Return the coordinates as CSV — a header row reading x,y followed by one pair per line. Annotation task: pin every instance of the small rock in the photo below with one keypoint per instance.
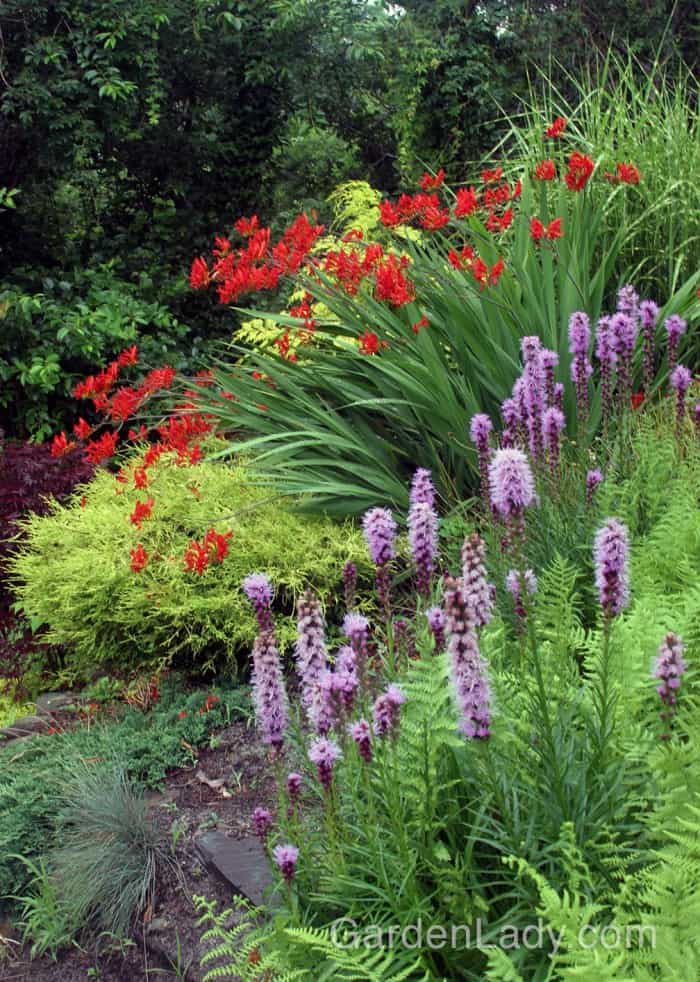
x,y
50,702
158,924
24,726
240,862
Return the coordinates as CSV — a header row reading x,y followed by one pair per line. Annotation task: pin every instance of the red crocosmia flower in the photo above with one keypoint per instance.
x,y
546,170
636,400
369,343
182,714
140,478
423,322
98,450
129,356
467,202
554,229
496,270
196,558
124,403
83,501
222,246
195,454
354,235
626,174
435,218
580,169
389,214
82,429
139,434
557,128
517,190
391,284
142,510
488,176
139,558
428,182
199,274
61,445
537,230
247,226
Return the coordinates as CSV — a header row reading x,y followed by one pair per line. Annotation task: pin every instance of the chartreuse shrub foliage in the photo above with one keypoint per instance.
x,y
74,572
579,807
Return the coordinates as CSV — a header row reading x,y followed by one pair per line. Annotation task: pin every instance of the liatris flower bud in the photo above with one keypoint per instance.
x,y
324,709
553,423
258,590
623,333
310,648
286,860
262,822
269,695
349,584
362,735
675,329
467,667
649,313
549,360
479,430
581,368
379,529
669,668
436,623
559,396
611,557
423,538
514,587
534,392
511,483
324,753
422,489
478,591
608,359
628,301
385,711
294,782
593,479
345,680
680,380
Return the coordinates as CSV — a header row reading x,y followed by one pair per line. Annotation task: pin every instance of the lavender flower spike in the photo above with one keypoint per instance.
x,y
479,592
324,754
269,695
669,668
514,587
581,368
468,670
362,735
593,479
479,430
549,360
385,711
262,822
422,487
680,380
259,591
553,423
511,482
649,314
379,529
286,860
436,623
310,648
675,329
611,557
608,359
628,301
423,538
623,334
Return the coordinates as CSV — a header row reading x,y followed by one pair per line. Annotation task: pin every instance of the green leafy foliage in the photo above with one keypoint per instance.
x,y
164,612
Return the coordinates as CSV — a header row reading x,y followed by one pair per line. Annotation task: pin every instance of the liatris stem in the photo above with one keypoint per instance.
x,y
349,585
649,313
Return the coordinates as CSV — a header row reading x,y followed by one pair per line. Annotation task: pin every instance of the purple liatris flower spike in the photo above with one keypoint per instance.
x,y
294,782
605,354
379,530
423,538
349,584
324,753
534,390
675,329
512,422
514,587
479,431
478,591
345,678
258,590
385,711
325,708
611,557
436,623
581,368
269,694
511,483
623,335
669,668
262,822
559,396
680,380
553,423
649,314
286,858
422,489
628,301
549,360
362,735
310,648
468,670
593,479
356,629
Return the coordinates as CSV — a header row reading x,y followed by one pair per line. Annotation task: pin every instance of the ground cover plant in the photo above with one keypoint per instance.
x,y
509,739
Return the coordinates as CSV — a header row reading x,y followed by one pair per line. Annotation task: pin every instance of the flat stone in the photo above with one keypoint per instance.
x,y
24,726
50,702
242,863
